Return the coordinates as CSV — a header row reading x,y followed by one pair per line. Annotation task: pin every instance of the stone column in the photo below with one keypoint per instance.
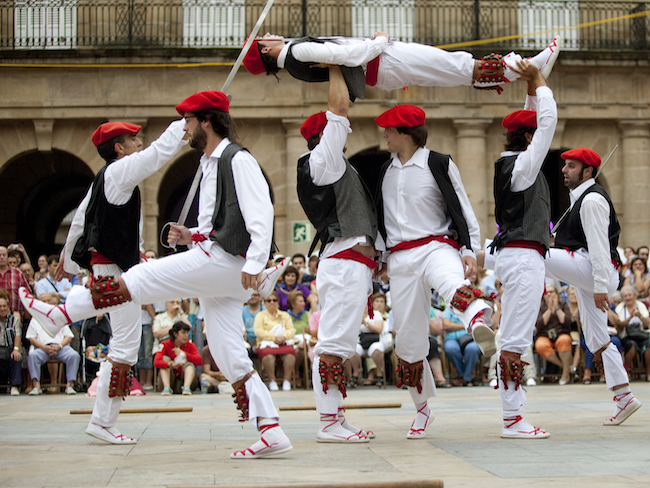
x,y
470,157
296,146
635,218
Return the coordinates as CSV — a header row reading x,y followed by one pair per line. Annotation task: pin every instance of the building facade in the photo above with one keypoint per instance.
x,y
67,66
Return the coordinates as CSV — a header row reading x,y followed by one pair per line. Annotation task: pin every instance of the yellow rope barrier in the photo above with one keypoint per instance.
x,y
445,46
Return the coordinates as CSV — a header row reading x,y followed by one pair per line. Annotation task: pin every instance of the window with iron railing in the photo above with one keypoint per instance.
x,y
45,24
392,16
214,23
548,18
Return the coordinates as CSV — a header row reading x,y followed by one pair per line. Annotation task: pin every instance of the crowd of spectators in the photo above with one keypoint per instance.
x,y
283,329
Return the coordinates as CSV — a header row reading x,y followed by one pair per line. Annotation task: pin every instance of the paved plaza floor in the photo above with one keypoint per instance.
x,y
43,445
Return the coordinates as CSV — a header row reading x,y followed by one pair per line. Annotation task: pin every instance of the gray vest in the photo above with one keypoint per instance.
x,y
524,215
342,209
229,228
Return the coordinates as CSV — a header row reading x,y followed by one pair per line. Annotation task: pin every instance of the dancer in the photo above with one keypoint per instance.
x,y
432,233
341,208
522,212
105,237
227,255
389,65
584,255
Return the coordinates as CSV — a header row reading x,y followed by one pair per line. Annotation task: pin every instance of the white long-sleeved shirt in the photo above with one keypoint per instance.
x,y
120,179
254,200
529,162
414,206
400,63
594,214
327,166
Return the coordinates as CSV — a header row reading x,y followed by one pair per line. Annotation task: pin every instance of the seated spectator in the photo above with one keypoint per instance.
x,y
634,328
10,340
44,348
48,285
250,311
274,330
434,359
164,321
299,262
314,321
213,380
28,272
181,356
97,332
145,353
310,274
300,319
43,271
459,347
290,283
553,335
371,345
639,277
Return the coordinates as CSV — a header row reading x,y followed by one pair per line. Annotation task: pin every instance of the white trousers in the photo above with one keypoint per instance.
x,y
216,280
413,273
521,271
343,290
404,64
126,328
575,269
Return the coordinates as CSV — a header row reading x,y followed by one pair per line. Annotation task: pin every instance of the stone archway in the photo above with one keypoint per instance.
x,y
39,190
368,162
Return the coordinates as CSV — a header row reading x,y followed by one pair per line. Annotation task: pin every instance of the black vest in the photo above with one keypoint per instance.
x,y
571,234
439,166
523,215
342,209
229,228
355,78
112,230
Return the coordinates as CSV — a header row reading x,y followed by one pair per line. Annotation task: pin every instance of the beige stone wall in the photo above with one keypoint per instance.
x,y
599,107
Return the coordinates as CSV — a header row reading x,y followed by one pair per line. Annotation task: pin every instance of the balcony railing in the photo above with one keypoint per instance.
x,y
199,24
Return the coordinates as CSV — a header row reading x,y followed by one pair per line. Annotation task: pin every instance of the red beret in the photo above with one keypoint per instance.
x,y
204,100
520,118
313,125
107,131
584,155
401,116
253,61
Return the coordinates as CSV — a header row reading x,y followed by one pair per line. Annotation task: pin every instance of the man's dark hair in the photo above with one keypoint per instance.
x,y
419,134
299,255
269,62
52,258
313,142
641,247
107,149
516,140
221,123
585,166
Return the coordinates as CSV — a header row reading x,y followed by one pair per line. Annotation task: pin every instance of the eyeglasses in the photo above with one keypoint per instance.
x,y
271,300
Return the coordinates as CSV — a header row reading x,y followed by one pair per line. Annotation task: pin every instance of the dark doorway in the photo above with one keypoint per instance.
x,y
39,190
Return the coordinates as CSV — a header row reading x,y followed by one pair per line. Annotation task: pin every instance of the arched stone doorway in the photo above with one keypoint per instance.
x,y
39,190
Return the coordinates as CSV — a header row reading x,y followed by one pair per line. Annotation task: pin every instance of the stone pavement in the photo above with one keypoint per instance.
x,y
43,445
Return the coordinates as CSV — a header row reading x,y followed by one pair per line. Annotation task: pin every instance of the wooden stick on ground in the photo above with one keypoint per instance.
x,y
138,410
434,483
347,407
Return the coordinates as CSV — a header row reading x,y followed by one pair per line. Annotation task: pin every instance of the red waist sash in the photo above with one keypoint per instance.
x,y
402,246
